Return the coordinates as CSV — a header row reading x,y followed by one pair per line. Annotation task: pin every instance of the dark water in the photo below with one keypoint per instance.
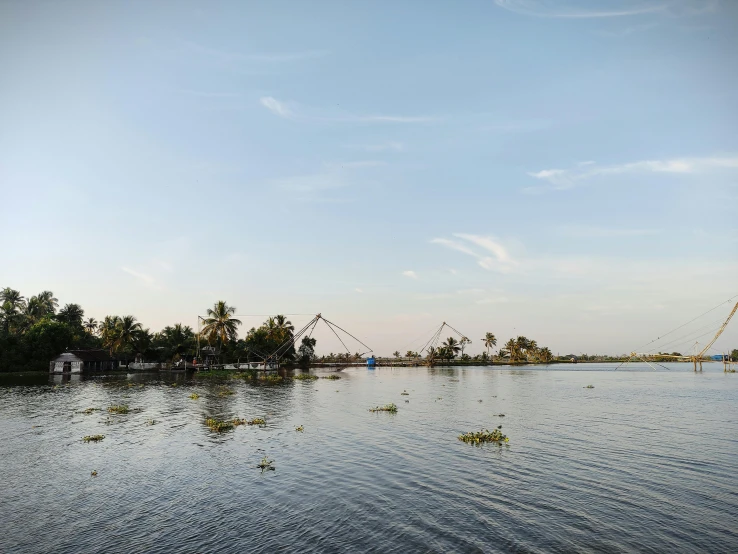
x,y
644,462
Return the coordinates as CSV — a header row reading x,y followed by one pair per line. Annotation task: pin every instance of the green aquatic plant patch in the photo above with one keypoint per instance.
x,y
305,377
484,436
118,409
332,377
265,464
218,425
386,408
194,396
93,438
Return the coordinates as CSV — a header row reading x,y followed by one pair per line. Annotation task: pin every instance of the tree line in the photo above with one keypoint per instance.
x,y
35,330
517,350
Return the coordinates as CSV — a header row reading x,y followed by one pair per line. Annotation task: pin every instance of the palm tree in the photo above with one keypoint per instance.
x,y
396,353
177,340
285,326
432,355
48,302
90,325
512,349
531,349
452,347
109,331
545,354
489,341
220,326
127,332
12,306
463,343
71,314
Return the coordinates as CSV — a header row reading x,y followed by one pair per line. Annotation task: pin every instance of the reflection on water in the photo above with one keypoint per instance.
x,y
644,461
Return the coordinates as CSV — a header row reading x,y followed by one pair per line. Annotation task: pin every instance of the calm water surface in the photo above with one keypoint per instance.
x,y
644,462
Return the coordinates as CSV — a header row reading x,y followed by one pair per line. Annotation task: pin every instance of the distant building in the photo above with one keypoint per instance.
x,y
77,361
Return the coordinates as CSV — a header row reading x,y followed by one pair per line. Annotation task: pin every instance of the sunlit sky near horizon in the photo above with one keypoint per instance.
x,y
567,170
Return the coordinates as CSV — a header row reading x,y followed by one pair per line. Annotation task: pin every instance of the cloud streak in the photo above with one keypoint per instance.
x,y
282,109
562,179
276,107
480,247
588,9
410,274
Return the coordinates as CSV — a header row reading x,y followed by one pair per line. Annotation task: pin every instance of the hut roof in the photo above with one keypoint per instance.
x,y
92,355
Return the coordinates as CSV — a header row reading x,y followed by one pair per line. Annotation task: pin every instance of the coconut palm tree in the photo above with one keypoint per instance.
x,y
285,326
71,314
452,347
90,325
127,332
220,326
545,354
512,349
396,353
464,341
48,302
489,341
109,331
12,306
531,349
177,340
432,355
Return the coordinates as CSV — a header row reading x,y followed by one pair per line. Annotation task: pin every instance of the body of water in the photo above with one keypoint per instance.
x,y
643,462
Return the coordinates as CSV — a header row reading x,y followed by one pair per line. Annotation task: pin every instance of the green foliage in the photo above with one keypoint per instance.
x,y
218,426
118,409
386,408
484,436
93,438
331,377
305,377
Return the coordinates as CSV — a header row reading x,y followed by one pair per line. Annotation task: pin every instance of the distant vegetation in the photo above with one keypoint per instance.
x,y
34,330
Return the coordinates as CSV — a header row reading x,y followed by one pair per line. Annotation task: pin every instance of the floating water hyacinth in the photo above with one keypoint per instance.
x,y
93,473
299,428
271,379
119,409
484,436
194,396
93,438
589,387
89,411
332,377
225,392
386,408
255,421
265,464
218,425
404,393
305,377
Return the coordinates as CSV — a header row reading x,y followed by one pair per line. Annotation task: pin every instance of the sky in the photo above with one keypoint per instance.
x,y
566,171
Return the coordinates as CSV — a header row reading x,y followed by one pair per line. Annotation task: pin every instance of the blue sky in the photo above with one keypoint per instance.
x,y
563,170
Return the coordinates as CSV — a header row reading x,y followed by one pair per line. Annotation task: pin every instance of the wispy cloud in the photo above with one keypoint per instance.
x,y
281,109
275,106
587,9
143,278
561,179
480,247
360,291
586,231
311,183
411,274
